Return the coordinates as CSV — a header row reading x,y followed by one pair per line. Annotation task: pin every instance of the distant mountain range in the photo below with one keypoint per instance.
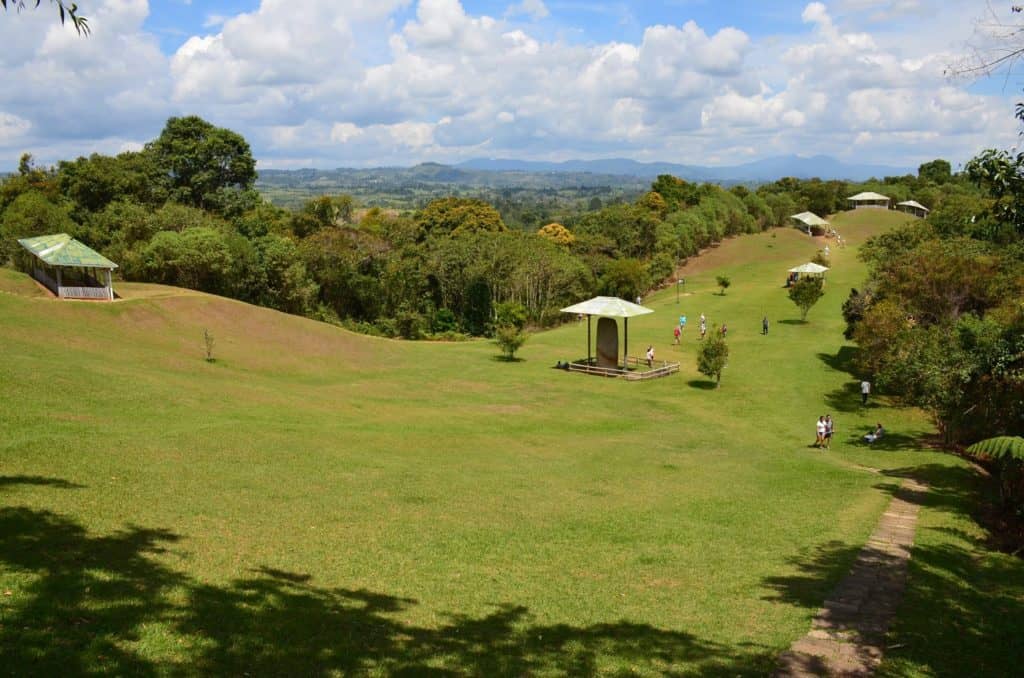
x,y
768,169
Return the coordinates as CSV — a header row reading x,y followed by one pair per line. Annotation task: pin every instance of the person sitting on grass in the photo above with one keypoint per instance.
x,y
874,435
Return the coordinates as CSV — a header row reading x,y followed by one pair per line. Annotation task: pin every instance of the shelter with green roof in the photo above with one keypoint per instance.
x,y
69,268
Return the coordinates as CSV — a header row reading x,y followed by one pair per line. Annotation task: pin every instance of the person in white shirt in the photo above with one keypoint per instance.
x,y
865,389
650,356
820,439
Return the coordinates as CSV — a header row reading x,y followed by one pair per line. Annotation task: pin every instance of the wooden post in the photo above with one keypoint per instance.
x,y
625,344
588,340
110,288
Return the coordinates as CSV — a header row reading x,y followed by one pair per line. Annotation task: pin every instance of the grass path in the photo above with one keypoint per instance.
x,y
321,502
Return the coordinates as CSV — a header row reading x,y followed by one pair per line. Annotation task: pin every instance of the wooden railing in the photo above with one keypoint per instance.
x,y
658,370
84,293
47,282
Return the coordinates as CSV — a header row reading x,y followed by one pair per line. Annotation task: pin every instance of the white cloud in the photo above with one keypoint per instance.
x,y
535,9
346,82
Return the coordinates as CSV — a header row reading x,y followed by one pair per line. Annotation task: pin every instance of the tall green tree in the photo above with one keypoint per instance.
x,y
207,167
805,293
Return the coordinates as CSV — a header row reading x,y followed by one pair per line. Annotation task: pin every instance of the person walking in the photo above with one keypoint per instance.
x,y
865,391
764,325
703,325
725,330
676,331
819,438
829,428
650,356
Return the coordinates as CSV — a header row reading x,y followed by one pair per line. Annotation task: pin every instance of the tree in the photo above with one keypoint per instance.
x,y
457,216
208,167
998,44
1001,175
624,278
558,234
509,339
723,282
805,293
937,171
29,215
713,356
64,10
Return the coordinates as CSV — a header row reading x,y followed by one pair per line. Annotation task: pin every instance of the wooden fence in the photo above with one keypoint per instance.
x,y
84,293
661,369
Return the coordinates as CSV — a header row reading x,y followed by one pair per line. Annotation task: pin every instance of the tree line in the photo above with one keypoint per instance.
x,y
183,211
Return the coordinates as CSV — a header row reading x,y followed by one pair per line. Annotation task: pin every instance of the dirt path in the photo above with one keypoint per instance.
x,y
848,634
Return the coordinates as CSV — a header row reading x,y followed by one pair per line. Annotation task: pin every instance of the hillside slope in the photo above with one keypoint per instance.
x,y
320,502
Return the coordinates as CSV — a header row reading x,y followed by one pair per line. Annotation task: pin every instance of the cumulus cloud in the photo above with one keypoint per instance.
x,y
346,82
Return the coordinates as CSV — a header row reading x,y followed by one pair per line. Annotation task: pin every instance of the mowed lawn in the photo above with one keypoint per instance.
x,y
318,502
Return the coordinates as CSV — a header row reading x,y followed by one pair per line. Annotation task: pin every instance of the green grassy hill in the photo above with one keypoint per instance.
x,y
320,502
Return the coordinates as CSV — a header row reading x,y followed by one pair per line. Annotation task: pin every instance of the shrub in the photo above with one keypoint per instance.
x,y
723,282
509,339
713,356
1005,457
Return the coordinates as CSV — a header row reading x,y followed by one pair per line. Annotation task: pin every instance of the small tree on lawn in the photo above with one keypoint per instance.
x,y
805,293
509,320
713,356
723,282
509,339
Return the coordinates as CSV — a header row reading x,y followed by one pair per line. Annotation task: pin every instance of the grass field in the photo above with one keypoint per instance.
x,y
319,502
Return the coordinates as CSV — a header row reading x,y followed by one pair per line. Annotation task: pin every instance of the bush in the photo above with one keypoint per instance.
x,y
1005,457
713,356
509,339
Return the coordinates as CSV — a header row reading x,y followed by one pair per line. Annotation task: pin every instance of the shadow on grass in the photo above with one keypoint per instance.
x,y
842,360
6,481
506,359
702,384
963,608
792,321
87,604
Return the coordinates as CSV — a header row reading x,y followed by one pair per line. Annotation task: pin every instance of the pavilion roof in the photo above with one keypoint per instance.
x,y
61,249
868,195
608,307
810,219
914,204
810,267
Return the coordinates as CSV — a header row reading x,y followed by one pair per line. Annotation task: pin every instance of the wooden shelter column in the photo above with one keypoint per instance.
x,y
588,339
59,282
625,344
110,288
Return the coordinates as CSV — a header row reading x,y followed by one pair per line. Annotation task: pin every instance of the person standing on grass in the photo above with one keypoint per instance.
x,y
828,431
725,330
865,390
764,326
819,438
650,356
676,331
703,325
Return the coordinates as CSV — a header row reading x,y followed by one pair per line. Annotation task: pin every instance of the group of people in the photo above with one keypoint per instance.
x,y
825,429
677,331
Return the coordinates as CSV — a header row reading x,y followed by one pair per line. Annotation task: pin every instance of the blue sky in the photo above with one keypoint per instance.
x,y
328,83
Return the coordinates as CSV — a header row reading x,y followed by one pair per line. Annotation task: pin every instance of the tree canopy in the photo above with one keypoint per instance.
x,y
66,11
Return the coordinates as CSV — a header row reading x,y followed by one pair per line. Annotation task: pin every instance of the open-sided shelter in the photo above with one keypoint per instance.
x,y
913,207
811,222
869,199
809,268
606,308
68,268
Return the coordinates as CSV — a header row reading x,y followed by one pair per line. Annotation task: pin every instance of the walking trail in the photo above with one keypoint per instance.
x,y
847,635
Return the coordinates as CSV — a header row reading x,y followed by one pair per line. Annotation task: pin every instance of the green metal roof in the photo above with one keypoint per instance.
x,y
63,250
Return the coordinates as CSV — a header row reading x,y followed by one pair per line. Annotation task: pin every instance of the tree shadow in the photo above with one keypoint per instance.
x,y
842,361
702,384
59,483
792,321
88,604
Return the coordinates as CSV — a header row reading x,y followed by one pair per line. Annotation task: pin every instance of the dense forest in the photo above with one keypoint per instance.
x,y
939,321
